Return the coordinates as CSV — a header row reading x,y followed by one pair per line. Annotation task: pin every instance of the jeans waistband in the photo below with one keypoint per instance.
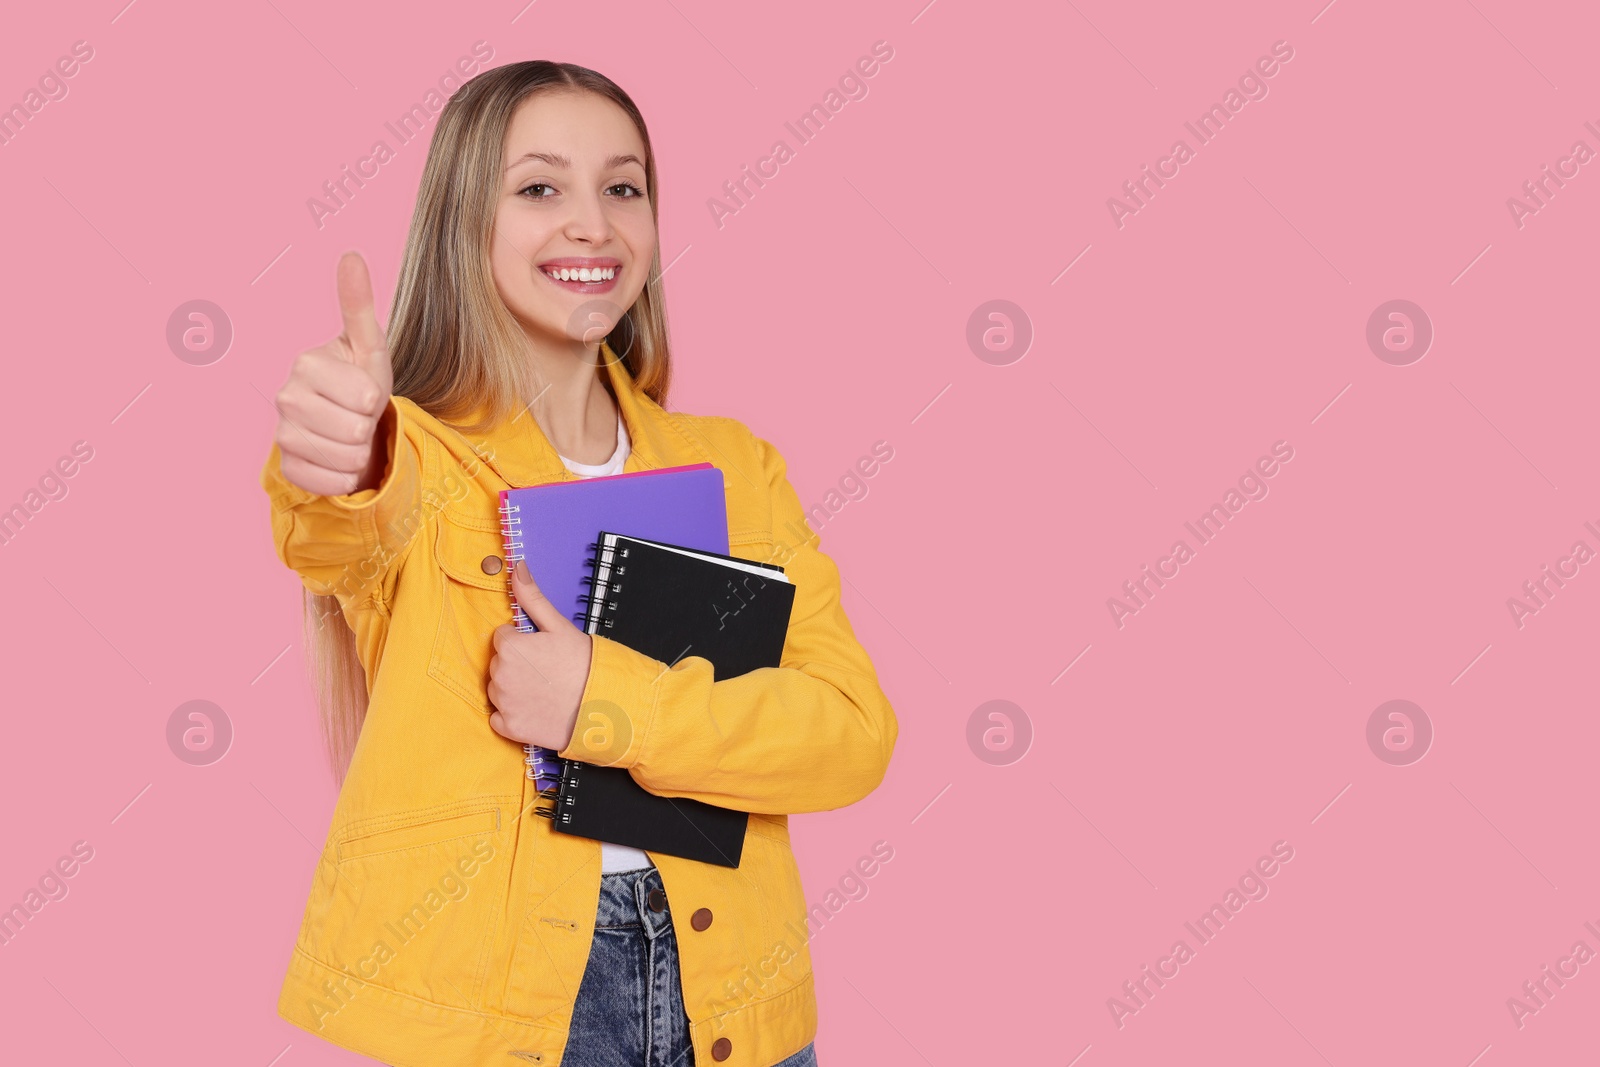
x,y
625,899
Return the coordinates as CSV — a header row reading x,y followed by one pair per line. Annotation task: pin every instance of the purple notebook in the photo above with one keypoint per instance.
x,y
554,527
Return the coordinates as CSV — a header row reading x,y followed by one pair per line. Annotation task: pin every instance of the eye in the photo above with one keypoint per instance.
x,y
633,190
535,185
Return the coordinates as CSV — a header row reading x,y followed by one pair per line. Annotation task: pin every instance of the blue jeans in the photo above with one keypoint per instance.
x,y
629,1011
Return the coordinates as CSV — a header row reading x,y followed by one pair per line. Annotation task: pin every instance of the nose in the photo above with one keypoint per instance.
x,y
588,222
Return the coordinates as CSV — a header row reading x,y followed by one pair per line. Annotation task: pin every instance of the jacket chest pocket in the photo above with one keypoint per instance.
x,y
475,597
759,546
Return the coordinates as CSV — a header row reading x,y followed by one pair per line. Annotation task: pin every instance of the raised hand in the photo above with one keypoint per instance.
x,y
331,410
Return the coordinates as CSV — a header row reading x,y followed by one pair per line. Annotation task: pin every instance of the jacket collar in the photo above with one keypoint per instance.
x,y
519,452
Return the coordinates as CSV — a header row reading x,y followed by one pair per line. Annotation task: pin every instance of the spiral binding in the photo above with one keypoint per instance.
x,y
510,530
544,766
562,797
547,811
597,612
600,557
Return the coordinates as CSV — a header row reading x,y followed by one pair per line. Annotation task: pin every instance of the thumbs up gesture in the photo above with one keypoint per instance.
x,y
536,680
330,409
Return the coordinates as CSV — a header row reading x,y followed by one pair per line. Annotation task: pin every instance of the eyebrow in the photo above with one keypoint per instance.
x,y
555,159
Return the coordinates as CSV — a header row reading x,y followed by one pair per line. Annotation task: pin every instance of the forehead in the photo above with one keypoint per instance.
x,y
584,127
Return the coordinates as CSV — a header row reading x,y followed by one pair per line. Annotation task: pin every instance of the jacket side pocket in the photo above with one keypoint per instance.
x,y
426,830
406,901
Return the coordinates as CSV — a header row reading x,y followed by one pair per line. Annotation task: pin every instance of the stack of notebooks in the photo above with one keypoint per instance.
x,y
643,557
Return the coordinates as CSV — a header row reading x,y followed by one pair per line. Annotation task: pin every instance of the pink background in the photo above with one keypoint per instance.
x,y
828,314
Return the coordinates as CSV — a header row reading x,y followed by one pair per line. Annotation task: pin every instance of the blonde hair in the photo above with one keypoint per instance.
x,y
456,348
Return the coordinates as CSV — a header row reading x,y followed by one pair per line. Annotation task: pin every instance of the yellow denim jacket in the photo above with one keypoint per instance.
x,y
448,925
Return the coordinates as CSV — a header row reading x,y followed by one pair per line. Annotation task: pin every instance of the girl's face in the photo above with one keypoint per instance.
x,y
573,234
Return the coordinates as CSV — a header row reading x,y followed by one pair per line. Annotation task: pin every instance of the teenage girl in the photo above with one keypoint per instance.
x,y
447,924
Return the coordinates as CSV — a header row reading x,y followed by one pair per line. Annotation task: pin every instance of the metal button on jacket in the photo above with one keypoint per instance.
x,y
700,919
721,1049
492,565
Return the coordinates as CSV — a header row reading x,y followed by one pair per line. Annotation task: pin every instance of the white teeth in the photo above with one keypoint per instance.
x,y
582,274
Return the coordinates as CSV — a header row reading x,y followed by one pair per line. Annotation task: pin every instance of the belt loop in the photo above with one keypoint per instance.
x,y
652,921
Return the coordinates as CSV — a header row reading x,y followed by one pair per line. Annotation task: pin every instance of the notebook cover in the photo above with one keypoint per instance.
x,y
558,523
553,526
667,605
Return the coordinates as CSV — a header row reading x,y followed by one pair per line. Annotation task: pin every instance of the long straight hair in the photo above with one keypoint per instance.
x,y
456,348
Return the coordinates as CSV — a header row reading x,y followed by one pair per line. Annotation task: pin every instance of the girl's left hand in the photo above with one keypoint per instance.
x,y
536,680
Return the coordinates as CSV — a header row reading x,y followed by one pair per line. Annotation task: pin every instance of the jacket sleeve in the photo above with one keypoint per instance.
x,y
347,546
812,734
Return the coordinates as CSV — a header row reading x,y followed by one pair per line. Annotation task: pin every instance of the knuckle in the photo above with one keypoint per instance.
x,y
355,430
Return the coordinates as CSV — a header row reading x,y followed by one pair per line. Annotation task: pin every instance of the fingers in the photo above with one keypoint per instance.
x,y
342,455
329,418
361,329
313,477
326,374
514,659
326,414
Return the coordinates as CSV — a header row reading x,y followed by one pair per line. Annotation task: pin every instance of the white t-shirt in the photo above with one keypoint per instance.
x,y
612,857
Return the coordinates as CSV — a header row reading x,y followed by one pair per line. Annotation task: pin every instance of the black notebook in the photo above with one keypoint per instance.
x,y
669,602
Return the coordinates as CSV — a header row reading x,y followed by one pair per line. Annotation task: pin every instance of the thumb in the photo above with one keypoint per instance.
x,y
544,614
365,339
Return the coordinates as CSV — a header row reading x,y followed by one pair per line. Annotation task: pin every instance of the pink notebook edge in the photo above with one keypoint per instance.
x,y
504,493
